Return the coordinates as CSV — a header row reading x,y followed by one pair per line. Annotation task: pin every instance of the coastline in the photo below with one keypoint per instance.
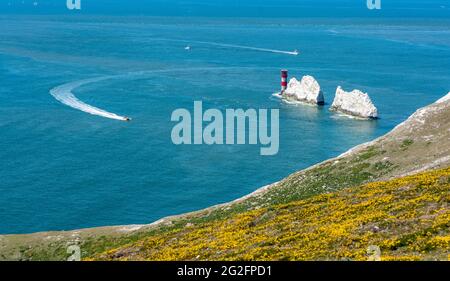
x,y
257,192
412,157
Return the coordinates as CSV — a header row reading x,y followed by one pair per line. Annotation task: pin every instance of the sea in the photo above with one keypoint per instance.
x,y
67,161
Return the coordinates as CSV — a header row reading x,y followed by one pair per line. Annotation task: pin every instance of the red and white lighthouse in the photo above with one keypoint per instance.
x,y
284,77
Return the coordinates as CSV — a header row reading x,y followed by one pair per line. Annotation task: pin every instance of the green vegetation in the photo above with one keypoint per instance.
x,y
406,143
407,218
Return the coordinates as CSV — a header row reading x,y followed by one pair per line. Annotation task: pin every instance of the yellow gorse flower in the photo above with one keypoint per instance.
x,y
407,218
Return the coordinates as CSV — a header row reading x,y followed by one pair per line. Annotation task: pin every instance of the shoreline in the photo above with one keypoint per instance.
x,y
169,220
419,143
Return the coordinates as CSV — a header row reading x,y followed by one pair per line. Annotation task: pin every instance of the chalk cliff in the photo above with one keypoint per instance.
x,y
354,103
307,90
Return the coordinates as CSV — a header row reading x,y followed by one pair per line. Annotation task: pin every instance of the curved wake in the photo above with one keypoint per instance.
x,y
63,94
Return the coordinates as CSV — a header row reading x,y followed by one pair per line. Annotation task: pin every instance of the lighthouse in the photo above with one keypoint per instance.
x,y
284,77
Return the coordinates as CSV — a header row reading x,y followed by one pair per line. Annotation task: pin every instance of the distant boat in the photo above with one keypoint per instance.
x,y
295,52
187,48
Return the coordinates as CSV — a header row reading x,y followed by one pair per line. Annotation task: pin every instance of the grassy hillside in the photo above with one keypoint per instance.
x,y
407,218
422,143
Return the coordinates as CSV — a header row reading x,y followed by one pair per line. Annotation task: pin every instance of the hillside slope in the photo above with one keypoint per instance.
x,y
406,218
421,143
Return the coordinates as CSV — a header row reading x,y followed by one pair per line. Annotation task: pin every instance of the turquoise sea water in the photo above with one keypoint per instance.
x,y
61,168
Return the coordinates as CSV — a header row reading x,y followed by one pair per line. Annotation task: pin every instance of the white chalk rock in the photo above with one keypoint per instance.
x,y
445,98
354,103
308,90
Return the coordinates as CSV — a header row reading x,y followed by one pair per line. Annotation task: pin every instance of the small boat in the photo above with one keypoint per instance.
x,y
127,119
295,52
187,48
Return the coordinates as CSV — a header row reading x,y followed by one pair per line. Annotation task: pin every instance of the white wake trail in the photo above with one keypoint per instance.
x,y
63,93
294,53
233,46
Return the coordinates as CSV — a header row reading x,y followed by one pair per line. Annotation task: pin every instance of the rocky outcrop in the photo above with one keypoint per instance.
x,y
307,90
354,103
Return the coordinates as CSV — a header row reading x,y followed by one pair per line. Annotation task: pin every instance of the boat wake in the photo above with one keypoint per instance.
x,y
232,46
63,94
293,53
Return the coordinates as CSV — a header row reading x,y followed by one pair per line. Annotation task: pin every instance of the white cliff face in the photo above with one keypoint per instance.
x,y
445,98
355,103
308,90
